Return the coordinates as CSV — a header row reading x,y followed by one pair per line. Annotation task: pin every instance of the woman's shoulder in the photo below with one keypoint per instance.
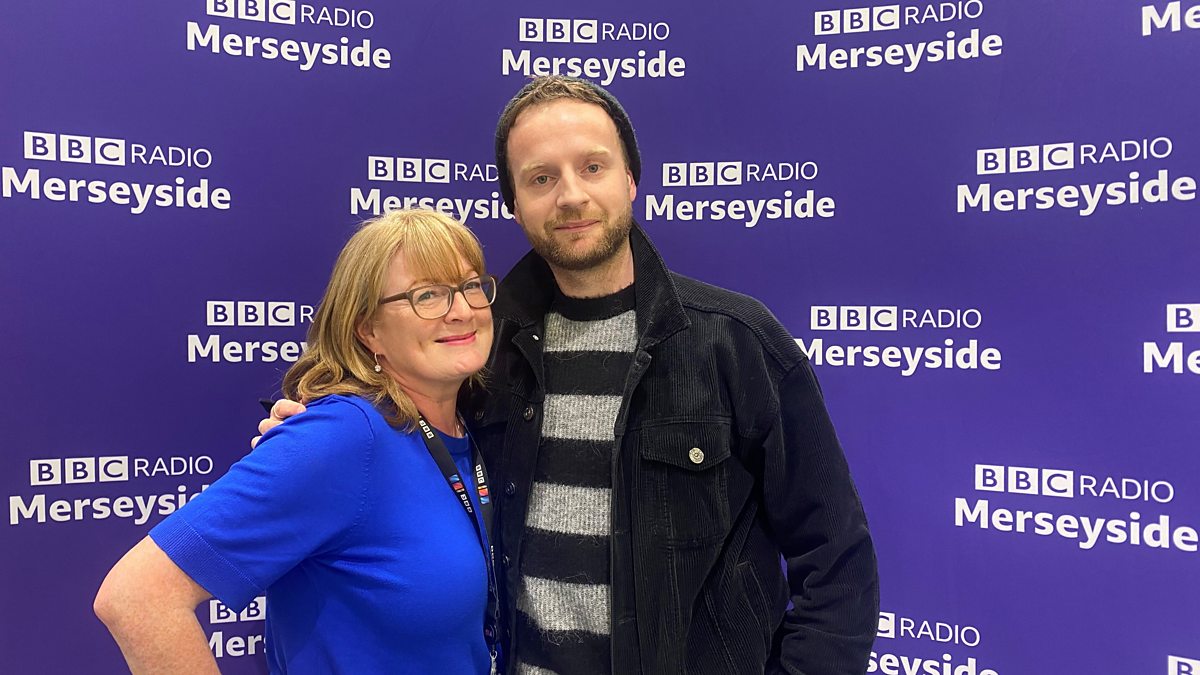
x,y
331,422
343,405
349,410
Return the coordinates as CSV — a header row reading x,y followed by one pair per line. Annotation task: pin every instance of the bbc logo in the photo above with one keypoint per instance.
x,y
77,149
241,313
1177,665
408,169
1025,480
1025,159
274,11
887,625
683,174
859,20
219,612
854,317
558,30
1183,318
78,470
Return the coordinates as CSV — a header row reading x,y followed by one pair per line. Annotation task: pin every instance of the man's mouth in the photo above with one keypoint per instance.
x,y
575,225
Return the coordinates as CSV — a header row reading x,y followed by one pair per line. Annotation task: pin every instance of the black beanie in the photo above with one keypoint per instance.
x,y
610,105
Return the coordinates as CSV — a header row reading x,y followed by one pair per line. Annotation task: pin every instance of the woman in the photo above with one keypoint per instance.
x,y
372,553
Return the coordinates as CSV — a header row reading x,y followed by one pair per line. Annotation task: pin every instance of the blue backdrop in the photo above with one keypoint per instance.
x,y
977,217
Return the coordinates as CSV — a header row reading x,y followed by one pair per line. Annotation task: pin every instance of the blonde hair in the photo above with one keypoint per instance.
x,y
336,362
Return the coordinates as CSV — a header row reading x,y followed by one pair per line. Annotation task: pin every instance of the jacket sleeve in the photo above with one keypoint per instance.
x,y
814,511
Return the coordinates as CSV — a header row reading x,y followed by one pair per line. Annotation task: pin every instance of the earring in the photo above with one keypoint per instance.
x,y
378,368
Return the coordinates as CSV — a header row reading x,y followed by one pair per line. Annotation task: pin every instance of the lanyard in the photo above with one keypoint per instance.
x,y
437,449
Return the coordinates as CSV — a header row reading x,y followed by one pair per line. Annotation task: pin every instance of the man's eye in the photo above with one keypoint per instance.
x,y
541,180
593,168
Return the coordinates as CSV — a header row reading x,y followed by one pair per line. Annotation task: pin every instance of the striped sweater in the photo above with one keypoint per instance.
x,y
564,607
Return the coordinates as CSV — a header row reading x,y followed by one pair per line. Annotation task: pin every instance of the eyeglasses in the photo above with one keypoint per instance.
x,y
434,301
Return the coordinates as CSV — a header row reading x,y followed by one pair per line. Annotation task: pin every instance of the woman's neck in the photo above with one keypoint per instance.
x,y
440,411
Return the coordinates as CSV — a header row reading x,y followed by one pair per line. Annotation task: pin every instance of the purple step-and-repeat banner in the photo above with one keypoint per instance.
x,y
977,217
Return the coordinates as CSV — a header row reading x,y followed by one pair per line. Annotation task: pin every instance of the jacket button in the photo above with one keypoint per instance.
x,y
510,489
696,455
528,415
535,337
478,415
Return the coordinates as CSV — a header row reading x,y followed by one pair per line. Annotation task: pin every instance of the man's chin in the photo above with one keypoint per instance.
x,y
576,256
586,249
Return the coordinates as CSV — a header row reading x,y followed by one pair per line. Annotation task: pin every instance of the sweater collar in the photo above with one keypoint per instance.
x,y
526,292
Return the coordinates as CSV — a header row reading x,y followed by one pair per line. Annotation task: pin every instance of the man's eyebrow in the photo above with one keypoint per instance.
x,y
530,167
598,151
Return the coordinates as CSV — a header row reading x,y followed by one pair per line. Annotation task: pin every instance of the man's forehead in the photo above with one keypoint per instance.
x,y
552,109
569,125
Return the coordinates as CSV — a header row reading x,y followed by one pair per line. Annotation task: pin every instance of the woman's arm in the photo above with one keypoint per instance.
x,y
149,606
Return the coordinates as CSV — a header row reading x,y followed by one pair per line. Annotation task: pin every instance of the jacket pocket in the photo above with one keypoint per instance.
x,y
683,480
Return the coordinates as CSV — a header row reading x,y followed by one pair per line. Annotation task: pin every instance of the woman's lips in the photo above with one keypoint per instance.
x,y
464,339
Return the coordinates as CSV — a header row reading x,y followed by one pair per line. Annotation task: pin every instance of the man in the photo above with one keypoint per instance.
x,y
658,446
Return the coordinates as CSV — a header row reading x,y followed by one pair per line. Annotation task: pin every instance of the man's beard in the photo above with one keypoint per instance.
x,y
615,232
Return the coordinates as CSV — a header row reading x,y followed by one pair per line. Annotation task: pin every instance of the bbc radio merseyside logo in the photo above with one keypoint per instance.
x,y
1175,357
914,635
1179,665
248,314
873,34
789,180
1171,17
65,476
404,174
1070,488
228,628
874,321
1040,177
258,16
68,155
579,38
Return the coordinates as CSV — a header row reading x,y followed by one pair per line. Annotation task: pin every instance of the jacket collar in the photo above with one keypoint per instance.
x,y
526,292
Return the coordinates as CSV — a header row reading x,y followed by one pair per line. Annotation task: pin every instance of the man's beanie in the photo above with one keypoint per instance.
x,y
610,105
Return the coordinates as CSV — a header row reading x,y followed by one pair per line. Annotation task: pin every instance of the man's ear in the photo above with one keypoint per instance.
x,y
516,211
632,185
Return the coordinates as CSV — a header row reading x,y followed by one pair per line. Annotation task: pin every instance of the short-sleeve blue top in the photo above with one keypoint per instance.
x,y
368,561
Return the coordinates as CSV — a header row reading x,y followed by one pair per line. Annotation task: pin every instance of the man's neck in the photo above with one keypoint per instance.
x,y
595,282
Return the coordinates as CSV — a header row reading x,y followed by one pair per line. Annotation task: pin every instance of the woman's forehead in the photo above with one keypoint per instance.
x,y
415,268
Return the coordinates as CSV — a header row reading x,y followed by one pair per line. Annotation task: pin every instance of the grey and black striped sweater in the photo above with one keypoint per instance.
x,y
564,607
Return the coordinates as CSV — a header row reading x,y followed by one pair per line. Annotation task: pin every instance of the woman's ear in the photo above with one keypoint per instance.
x,y
365,331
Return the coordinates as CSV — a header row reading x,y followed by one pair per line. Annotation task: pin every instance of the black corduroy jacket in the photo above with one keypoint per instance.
x,y
726,468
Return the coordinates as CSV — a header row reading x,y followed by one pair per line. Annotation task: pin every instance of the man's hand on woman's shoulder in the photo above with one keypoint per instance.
x,y
282,410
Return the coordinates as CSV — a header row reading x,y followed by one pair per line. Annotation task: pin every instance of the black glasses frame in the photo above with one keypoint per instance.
x,y
483,280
